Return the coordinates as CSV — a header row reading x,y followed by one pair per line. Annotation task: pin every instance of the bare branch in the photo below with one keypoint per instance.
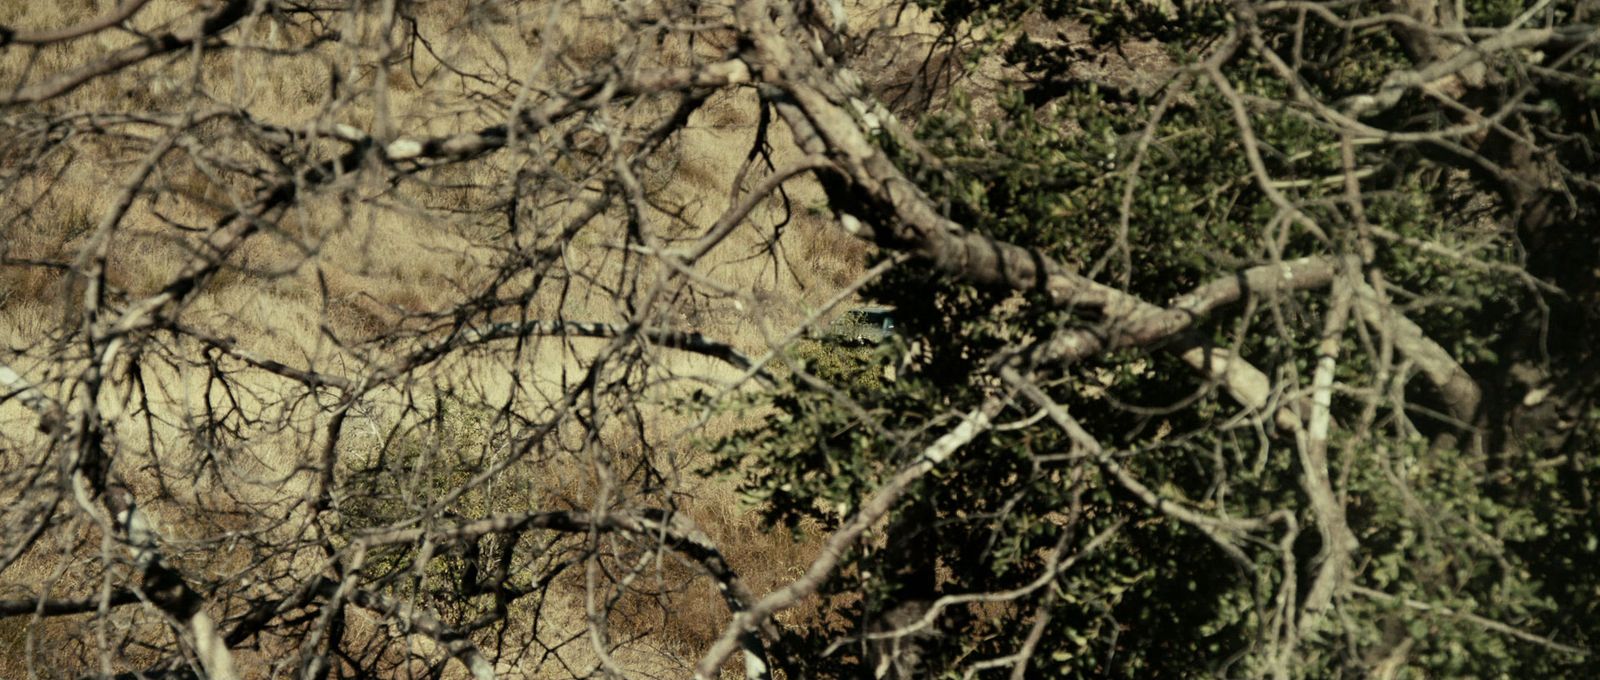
x,y
972,424
123,12
1489,624
217,21
424,622
687,341
1459,391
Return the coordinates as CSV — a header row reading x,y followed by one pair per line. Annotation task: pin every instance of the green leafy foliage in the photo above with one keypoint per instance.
x,y
1451,534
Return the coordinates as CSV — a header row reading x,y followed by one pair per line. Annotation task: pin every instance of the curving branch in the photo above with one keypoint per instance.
x,y
688,341
212,24
1225,532
123,12
1170,328
58,607
1455,386
1486,623
1333,559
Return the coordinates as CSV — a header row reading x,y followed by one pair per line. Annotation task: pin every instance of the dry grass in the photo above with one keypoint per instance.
x,y
334,272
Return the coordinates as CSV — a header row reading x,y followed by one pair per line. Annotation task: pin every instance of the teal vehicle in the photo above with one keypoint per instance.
x,y
863,325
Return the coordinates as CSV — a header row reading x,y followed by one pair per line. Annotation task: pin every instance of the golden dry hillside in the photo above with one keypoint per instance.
x,y
346,269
